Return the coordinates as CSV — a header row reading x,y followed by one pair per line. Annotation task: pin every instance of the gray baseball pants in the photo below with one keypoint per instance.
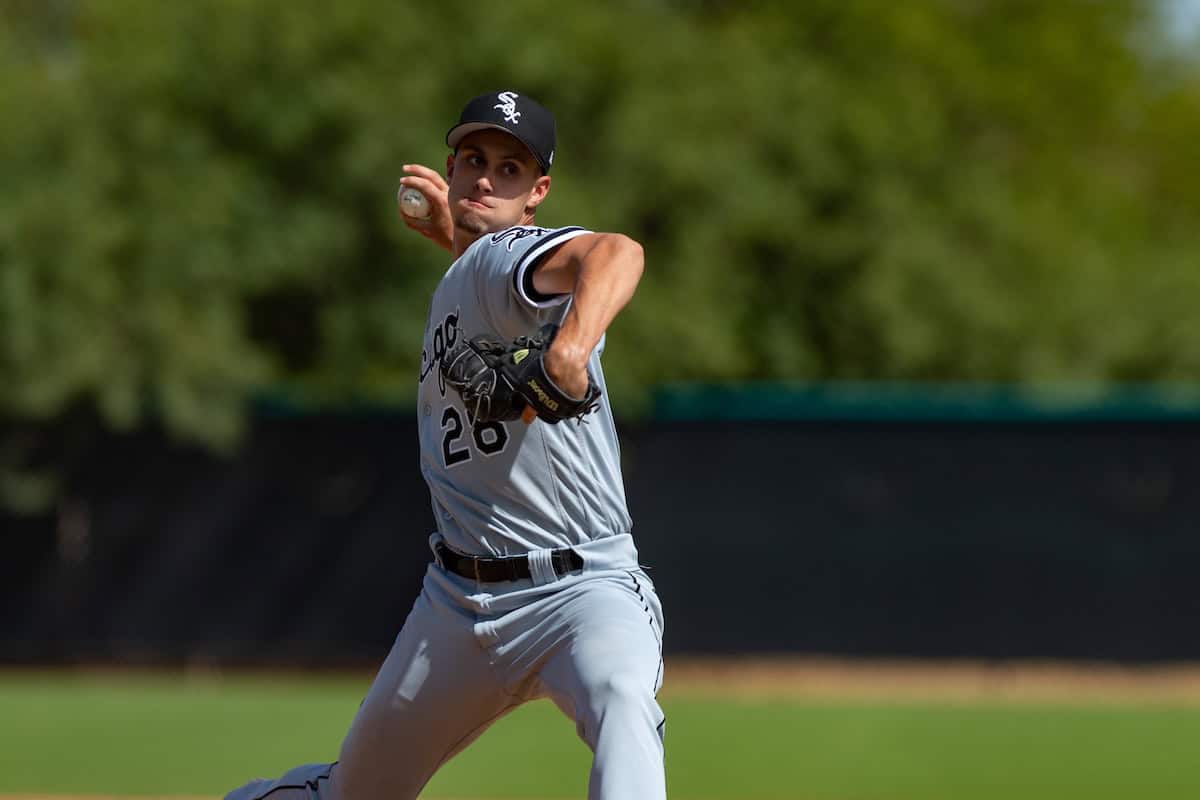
x,y
591,643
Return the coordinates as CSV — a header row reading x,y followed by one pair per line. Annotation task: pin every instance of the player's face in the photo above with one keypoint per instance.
x,y
494,183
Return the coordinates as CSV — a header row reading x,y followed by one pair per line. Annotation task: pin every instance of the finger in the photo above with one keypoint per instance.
x,y
422,171
424,226
425,187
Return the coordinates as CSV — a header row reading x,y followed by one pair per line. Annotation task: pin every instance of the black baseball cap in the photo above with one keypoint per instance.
x,y
513,113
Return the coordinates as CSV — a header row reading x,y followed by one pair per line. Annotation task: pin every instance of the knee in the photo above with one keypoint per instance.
x,y
621,694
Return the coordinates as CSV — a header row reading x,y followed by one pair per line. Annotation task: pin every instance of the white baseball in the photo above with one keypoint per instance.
x,y
412,203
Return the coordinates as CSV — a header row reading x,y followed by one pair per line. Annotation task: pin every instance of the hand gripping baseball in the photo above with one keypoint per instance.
x,y
498,381
437,226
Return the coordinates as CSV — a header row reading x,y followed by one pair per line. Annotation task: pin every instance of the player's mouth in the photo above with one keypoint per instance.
x,y
476,203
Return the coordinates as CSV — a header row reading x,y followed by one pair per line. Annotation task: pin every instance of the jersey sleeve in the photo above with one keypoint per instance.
x,y
503,273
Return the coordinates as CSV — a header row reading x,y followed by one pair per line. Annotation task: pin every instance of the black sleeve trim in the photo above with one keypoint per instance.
x,y
527,282
528,263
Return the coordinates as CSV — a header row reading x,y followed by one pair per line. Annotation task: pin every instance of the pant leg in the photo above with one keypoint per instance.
x,y
604,674
309,782
434,694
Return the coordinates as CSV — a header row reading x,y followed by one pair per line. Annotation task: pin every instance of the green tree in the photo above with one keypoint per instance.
x,y
196,204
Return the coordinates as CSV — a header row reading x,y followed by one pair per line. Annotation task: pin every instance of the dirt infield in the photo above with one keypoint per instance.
x,y
950,681
837,679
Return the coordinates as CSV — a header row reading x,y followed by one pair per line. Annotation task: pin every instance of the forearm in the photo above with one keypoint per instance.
x,y
607,277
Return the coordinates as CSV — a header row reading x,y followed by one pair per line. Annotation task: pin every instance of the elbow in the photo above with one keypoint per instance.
x,y
616,254
633,255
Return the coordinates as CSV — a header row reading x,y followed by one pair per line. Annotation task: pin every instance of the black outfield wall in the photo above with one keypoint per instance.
x,y
922,538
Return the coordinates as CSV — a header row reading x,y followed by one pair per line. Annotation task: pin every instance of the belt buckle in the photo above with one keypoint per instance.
x,y
562,561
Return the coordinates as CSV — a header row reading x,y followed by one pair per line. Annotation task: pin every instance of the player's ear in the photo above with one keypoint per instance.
x,y
450,166
541,188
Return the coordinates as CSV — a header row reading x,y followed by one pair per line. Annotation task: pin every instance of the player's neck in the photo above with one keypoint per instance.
x,y
464,238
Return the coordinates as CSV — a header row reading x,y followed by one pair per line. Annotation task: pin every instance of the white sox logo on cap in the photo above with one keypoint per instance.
x,y
508,106
533,125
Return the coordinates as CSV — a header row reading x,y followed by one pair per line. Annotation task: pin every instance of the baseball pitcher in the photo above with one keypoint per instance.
x,y
534,590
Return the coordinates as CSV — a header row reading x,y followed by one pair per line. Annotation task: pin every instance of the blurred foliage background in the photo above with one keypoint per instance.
x,y
197,199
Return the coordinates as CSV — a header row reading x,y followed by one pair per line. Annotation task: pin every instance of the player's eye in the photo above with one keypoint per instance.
x,y
509,169
475,160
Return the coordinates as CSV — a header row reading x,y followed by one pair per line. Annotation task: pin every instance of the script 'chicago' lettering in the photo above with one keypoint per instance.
x,y
442,339
514,235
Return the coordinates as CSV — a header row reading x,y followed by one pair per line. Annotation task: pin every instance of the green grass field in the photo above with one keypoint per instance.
x,y
158,735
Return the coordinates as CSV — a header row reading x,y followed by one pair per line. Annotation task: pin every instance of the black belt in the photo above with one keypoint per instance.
x,y
493,570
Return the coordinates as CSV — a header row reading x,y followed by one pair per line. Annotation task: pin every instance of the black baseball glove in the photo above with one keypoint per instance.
x,y
501,380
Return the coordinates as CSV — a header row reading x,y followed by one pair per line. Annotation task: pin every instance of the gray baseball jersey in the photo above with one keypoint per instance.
x,y
506,488
471,650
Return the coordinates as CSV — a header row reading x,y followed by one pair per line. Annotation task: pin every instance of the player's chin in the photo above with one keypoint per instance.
x,y
472,222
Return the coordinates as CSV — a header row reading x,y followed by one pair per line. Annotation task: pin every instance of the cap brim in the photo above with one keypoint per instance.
x,y
460,132
465,129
